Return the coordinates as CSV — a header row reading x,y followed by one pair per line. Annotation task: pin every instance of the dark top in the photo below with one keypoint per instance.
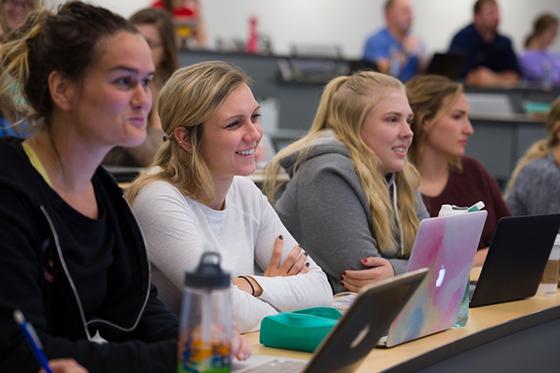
x,y
90,248
497,55
466,188
71,285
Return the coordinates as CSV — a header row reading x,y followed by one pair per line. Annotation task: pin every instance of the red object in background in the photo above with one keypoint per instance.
x,y
177,12
252,40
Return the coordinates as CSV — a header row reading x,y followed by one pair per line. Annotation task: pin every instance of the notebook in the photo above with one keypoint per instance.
x,y
354,336
516,259
446,246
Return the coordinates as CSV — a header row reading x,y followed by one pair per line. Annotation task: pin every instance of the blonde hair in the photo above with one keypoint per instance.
x,y
541,148
426,96
188,99
343,108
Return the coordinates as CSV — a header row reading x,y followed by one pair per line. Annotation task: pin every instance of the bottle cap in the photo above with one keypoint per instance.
x,y
208,274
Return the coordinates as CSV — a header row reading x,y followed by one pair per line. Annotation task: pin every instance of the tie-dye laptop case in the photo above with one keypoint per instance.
x,y
446,246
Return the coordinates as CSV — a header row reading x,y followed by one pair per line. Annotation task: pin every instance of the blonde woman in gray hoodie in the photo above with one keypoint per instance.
x,y
352,198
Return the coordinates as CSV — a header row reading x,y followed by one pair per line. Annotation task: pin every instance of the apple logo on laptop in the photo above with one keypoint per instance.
x,y
440,277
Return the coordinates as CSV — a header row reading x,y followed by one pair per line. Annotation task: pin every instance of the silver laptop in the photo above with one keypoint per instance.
x,y
354,336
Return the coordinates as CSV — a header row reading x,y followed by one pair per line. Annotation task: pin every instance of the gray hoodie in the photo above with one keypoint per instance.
x,y
326,210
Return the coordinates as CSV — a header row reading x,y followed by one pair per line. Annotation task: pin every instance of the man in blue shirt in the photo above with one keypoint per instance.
x,y
490,59
393,48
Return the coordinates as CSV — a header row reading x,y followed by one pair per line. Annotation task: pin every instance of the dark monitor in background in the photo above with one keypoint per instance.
x,y
450,65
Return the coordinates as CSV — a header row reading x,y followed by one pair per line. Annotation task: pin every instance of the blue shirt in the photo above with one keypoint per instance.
x,y
497,55
381,44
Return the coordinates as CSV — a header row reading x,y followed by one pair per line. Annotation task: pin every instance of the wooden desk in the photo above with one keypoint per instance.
x,y
516,336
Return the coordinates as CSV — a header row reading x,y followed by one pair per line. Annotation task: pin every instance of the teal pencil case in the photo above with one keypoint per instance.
x,y
301,330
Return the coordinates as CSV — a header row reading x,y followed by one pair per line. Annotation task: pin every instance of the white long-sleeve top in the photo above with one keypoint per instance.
x,y
178,229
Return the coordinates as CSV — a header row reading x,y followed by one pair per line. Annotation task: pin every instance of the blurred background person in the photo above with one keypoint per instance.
x,y
156,27
13,14
394,48
491,60
534,186
537,62
441,129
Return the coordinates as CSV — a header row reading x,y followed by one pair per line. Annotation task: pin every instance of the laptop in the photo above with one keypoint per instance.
x,y
450,65
446,246
516,259
354,336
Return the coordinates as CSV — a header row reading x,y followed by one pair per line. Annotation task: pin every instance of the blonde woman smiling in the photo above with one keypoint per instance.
x,y
195,200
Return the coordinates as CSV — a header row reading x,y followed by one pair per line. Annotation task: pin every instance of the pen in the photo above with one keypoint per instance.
x,y
33,340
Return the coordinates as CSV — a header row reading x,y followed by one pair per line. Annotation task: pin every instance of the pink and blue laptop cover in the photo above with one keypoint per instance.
x,y
446,246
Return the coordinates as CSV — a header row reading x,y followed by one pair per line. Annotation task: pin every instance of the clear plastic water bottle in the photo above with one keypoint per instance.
x,y
205,332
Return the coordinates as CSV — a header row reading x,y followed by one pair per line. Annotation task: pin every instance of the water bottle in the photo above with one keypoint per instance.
x,y
205,332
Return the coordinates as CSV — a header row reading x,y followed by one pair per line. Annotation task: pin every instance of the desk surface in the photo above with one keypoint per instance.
x,y
485,324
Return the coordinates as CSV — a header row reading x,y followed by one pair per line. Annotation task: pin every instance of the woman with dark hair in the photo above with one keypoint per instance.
x,y
72,257
442,128
537,62
156,27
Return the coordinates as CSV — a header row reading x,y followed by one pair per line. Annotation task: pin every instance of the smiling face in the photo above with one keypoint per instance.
x,y
231,135
449,134
386,130
111,103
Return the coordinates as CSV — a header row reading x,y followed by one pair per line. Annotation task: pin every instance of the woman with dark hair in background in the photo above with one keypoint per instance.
x,y
442,128
537,62
72,257
156,27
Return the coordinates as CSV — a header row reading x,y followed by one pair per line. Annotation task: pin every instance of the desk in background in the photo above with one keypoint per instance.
x,y
520,336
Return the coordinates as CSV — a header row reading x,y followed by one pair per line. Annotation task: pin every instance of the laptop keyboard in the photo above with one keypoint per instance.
x,y
278,366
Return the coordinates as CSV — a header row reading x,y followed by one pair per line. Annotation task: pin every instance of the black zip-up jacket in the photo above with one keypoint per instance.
x,y
35,279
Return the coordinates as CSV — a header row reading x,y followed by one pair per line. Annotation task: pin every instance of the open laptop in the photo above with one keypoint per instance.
x,y
450,65
354,336
446,246
516,259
